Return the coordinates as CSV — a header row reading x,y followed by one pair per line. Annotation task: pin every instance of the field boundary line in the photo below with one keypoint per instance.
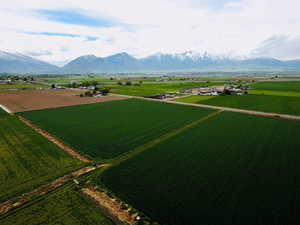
x,y
229,109
6,109
55,141
42,190
162,138
111,208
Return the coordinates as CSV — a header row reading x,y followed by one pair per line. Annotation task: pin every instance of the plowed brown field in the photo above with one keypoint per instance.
x,y
42,99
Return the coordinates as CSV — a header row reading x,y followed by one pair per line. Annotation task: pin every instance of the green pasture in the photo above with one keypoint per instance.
x,y
109,129
28,160
232,169
265,103
64,206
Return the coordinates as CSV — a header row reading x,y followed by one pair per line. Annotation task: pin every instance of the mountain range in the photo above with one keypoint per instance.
x,y
123,62
19,63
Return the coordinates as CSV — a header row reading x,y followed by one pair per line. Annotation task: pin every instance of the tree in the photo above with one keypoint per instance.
x,y
226,92
94,83
120,83
53,86
105,91
128,83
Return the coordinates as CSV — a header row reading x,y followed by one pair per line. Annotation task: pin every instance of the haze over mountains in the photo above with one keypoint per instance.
x,y
123,62
19,63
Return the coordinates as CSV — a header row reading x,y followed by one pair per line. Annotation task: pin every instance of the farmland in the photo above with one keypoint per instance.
x,y
193,98
2,113
4,87
266,103
292,86
275,93
231,169
106,130
155,88
41,99
27,160
63,206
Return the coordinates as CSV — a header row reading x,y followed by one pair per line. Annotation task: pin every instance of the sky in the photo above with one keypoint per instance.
x,y
58,31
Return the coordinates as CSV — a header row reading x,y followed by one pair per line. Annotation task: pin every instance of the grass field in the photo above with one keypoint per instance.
x,y
266,103
232,169
105,130
28,160
292,86
19,86
3,113
193,99
275,93
65,206
155,88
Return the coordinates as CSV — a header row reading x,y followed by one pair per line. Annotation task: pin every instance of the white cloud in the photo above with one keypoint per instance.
x,y
237,28
279,46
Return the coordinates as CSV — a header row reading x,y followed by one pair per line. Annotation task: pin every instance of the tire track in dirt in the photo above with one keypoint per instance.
x,y
52,139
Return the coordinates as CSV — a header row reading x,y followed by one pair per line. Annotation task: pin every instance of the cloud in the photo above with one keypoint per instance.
x,y
143,27
279,46
38,53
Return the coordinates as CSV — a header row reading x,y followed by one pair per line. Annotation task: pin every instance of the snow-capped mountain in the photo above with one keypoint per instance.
x,y
189,60
19,63
123,62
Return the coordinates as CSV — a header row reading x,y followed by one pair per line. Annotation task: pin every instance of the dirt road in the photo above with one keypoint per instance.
x,y
52,139
22,199
229,109
110,206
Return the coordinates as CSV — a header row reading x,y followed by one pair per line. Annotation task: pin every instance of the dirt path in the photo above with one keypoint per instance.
x,y
52,139
229,109
111,207
162,138
5,109
22,199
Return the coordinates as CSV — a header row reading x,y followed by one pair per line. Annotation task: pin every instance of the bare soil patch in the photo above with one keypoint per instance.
x,y
42,99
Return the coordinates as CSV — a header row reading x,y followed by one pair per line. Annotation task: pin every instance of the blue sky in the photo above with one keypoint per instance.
x,y
69,16
60,30
88,38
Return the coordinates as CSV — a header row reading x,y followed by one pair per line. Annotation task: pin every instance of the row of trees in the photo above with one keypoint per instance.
x,y
96,91
129,83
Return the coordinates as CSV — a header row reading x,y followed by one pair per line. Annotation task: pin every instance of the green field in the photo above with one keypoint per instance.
x,y
108,129
3,113
232,169
28,160
275,93
156,88
193,99
265,103
292,86
61,207
19,86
